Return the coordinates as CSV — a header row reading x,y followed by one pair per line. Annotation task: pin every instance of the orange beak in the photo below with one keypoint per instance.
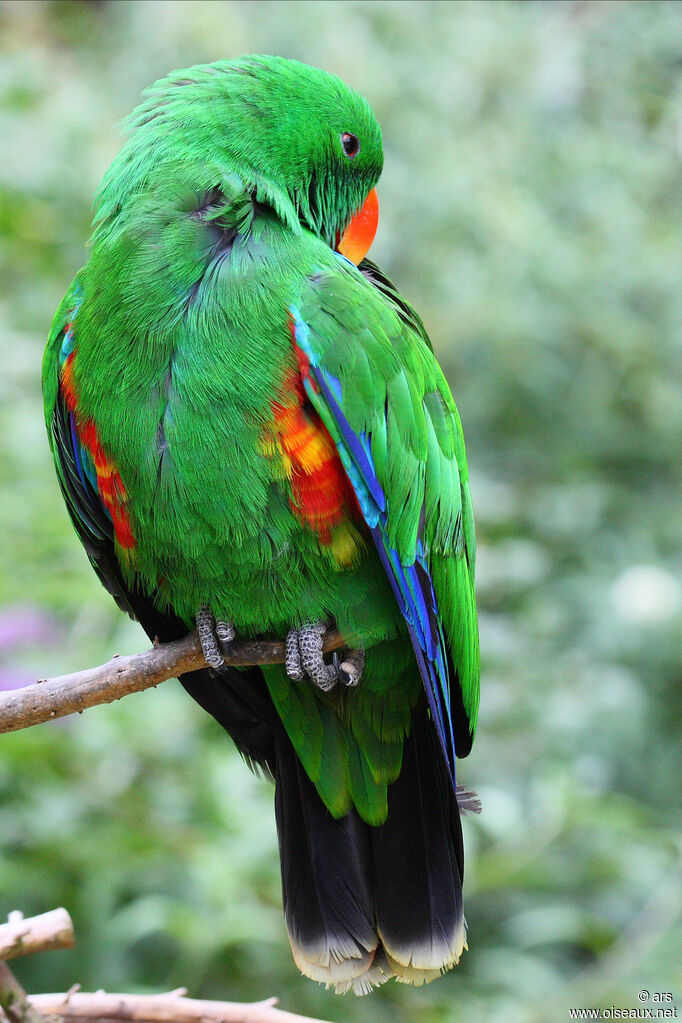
x,y
357,239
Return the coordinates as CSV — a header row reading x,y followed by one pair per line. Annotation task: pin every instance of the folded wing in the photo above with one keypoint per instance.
x,y
368,370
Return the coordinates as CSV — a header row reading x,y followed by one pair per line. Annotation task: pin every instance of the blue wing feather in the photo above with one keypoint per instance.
x,y
358,444
411,583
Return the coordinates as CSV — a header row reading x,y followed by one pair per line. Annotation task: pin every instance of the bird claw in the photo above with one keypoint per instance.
x,y
349,671
225,632
304,658
468,801
214,636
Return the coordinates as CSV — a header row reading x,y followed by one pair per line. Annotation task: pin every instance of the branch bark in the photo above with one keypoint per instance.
x,y
51,698
82,1007
21,937
14,1001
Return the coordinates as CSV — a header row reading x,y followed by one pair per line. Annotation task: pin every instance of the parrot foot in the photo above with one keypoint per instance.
x,y
304,658
214,636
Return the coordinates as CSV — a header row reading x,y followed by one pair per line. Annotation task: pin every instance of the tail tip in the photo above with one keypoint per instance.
x,y
365,970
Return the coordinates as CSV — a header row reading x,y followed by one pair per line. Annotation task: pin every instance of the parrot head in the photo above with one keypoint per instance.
x,y
300,140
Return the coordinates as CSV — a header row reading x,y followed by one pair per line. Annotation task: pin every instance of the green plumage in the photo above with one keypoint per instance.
x,y
215,228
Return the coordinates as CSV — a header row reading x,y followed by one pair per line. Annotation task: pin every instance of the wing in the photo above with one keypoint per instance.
x,y
96,503
368,370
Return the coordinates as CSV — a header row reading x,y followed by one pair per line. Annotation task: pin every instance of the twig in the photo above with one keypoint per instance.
x,y
82,1007
55,930
21,937
56,697
13,999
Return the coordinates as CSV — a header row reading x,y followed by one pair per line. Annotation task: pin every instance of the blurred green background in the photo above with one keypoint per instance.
x,y
531,211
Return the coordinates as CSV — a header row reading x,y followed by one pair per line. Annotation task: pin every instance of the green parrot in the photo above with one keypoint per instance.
x,y
253,437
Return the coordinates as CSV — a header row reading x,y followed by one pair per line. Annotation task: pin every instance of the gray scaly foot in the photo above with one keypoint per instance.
x,y
214,637
304,658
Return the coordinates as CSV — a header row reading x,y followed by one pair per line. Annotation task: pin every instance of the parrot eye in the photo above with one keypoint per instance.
x,y
351,144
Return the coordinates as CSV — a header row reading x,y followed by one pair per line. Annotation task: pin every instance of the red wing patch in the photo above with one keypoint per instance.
x,y
110,486
322,497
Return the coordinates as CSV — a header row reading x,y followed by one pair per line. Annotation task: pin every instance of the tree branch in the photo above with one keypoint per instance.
x,y
14,1001
22,937
50,698
82,1007
54,930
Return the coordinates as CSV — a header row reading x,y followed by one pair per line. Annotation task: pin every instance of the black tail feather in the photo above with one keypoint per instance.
x,y
363,903
419,863
326,875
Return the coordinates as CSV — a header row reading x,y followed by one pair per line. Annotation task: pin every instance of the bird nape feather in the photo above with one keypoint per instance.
x,y
251,433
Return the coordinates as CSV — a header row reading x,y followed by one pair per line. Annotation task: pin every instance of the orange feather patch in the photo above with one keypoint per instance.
x,y
321,495
109,483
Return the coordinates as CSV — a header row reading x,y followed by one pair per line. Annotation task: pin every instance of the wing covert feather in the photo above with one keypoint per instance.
x,y
368,369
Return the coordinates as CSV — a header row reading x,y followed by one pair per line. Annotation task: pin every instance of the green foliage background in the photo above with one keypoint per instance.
x,y
531,210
